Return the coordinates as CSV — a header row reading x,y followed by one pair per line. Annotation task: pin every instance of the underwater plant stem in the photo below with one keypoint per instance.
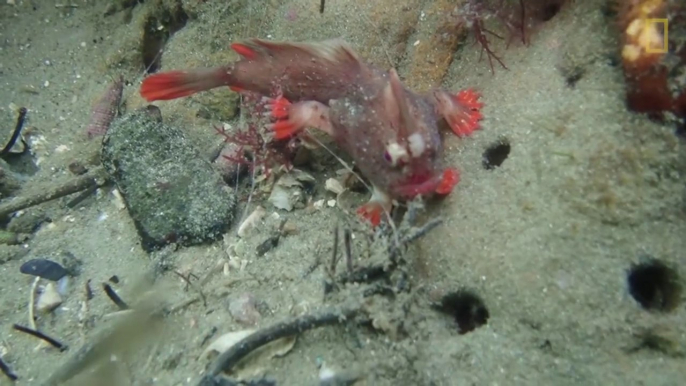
x,y
240,350
97,176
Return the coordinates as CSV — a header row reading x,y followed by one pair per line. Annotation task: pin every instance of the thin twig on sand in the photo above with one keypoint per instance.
x,y
231,357
86,181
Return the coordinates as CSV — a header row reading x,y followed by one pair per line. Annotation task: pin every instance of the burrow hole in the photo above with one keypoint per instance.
x,y
466,308
496,154
157,30
655,285
549,9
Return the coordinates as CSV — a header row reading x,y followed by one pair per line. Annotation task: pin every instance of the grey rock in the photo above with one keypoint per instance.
x,y
171,192
27,222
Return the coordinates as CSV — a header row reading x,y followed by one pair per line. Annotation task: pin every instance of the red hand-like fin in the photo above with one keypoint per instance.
x,y
293,118
450,178
371,212
467,121
461,111
284,129
279,107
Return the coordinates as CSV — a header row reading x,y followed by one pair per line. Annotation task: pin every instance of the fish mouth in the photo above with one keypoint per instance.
x,y
416,185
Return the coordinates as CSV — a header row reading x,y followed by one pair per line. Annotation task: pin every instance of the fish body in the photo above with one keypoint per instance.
x,y
390,132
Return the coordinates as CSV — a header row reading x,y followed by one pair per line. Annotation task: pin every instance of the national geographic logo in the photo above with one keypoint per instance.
x,y
660,25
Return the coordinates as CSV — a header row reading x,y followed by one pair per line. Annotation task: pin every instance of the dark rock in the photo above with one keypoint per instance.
x,y
44,268
10,182
172,193
12,252
77,168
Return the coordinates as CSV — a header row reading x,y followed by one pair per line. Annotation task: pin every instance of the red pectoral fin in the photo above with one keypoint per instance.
x,y
293,118
461,111
371,212
450,178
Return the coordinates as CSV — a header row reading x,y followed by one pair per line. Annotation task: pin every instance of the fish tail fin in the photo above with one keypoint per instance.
x,y
177,84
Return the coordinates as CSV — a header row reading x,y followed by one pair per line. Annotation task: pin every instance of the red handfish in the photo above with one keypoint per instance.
x,y
389,131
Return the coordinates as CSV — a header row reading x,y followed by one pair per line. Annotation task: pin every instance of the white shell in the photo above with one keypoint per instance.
x,y
281,198
49,299
251,221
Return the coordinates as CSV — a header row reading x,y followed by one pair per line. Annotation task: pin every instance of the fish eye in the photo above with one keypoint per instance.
x,y
387,157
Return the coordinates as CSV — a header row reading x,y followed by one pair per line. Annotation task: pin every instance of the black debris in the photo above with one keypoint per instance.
x,y
44,268
7,371
53,342
114,297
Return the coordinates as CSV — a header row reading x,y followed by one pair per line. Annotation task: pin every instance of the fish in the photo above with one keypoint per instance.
x,y
390,132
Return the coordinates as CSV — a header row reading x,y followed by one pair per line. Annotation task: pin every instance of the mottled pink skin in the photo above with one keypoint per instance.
x,y
363,115
364,126
369,113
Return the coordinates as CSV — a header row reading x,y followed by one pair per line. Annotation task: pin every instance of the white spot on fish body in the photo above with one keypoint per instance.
x,y
416,144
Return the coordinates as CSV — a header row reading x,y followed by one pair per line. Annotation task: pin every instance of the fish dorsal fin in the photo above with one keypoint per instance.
x,y
395,101
335,51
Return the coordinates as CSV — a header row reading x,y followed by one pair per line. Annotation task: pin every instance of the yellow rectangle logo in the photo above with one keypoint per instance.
x,y
664,25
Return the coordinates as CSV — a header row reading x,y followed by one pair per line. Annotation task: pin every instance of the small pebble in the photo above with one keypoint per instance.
x,y
267,245
333,185
244,310
49,299
77,168
61,149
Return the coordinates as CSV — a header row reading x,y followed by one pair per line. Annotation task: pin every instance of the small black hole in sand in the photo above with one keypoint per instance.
x,y
574,76
655,285
467,308
156,33
496,154
681,130
549,11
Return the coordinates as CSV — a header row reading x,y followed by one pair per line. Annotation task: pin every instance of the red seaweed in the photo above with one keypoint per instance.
x,y
255,146
518,18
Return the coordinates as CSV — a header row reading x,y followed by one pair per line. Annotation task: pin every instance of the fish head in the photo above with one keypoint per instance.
x,y
411,146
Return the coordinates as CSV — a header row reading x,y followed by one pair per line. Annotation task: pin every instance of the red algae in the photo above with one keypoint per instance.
x,y
518,18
